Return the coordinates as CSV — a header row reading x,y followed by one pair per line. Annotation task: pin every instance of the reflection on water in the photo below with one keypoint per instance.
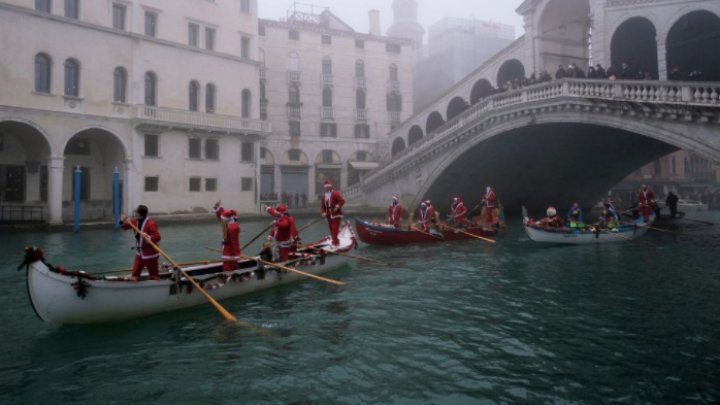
x,y
461,322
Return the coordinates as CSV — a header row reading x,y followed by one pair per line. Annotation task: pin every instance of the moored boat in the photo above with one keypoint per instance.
x,y
75,297
589,235
381,234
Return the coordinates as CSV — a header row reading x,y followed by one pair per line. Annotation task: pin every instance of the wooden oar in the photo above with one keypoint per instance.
x,y
224,312
257,236
412,228
597,232
294,270
476,236
660,229
311,223
698,221
181,264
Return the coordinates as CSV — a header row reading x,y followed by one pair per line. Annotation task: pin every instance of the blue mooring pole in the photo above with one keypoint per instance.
x,y
76,199
116,198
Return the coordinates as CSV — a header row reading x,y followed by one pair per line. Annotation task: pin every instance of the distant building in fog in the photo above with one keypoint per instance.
x,y
455,47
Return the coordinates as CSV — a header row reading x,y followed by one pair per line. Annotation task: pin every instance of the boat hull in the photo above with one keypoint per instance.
x,y
565,236
56,297
385,235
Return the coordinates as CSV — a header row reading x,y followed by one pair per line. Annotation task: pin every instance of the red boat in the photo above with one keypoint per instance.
x,y
380,234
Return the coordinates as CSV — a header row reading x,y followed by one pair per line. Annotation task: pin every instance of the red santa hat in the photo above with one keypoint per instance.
x,y
327,184
281,208
551,211
228,215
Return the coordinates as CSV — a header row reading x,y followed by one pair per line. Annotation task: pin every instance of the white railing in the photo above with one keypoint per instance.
x,y
394,117
360,82
294,76
361,115
294,112
326,113
327,79
393,85
193,119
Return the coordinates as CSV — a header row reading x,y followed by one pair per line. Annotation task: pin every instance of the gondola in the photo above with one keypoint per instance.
x,y
381,234
61,296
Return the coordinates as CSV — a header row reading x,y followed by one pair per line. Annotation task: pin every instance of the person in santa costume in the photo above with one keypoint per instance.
x,y
645,201
283,231
426,216
489,206
551,221
331,208
394,213
230,237
145,255
458,211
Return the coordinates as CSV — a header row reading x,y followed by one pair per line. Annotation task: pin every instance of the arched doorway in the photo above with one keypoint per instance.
x,y
692,46
634,43
295,175
455,107
509,71
24,160
415,135
563,34
397,146
434,121
481,89
97,152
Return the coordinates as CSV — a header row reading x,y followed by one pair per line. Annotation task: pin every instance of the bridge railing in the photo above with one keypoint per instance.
x,y
679,93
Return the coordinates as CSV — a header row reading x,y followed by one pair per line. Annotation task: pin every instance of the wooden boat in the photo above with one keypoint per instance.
x,y
624,232
75,297
382,234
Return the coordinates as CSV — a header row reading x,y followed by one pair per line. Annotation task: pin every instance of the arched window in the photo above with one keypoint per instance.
x,y
150,89
294,94
194,96
327,96
359,68
72,78
210,98
360,99
120,85
393,72
246,103
42,73
327,66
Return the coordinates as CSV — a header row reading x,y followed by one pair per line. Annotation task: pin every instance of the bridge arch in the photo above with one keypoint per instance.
x,y
481,89
688,46
434,121
634,42
455,107
562,29
25,154
509,71
415,135
398,146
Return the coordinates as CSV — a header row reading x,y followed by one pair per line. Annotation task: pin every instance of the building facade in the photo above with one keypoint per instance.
x,y
163,92
332,95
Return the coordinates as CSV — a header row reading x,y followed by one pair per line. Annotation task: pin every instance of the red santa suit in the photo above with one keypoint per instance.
x,y
489,204
145,255
331,207
458,212
283,231
426,215
394,213
231,238
645,199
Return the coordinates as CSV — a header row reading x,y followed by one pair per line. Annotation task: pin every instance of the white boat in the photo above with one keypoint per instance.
x,y
59,296
590,235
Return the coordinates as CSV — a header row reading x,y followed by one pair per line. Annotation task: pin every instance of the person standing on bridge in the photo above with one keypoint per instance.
x,y
394,213
645,201
331,206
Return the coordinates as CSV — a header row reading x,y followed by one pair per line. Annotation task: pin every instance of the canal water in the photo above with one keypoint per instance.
x,y
461,323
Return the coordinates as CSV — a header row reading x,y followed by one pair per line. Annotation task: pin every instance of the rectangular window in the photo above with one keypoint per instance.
x,y
151,24
209,38
152,183
326,40
362,131
294,155
246,184
248,152
294,35
245,6
361,156
78,146
151,145
327,156
72,9
328,130
392,48
294,128
261,30
211,184
245,47
118,16
195,148
194,184
43,5
193,34
359,44
212,151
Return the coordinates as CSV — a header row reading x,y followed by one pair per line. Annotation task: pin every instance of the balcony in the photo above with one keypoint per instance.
x,y
294,76
327,79
294,111
192,120
394,118
361,115
326,113
360,82
393,86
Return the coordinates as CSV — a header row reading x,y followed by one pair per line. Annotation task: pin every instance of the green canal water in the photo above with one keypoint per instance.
x,y
517,322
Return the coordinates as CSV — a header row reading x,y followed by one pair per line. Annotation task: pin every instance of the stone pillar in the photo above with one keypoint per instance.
x,y
343,176
277,173
131,196
56,166
256,160
661,39
312,173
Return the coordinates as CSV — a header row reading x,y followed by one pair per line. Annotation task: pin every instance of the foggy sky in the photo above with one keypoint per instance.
x,y
354,12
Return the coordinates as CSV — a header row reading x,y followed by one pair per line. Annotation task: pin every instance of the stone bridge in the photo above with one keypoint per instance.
x,y
553,142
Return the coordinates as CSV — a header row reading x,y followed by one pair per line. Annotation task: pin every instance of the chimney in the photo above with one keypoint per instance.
x,y
374,16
